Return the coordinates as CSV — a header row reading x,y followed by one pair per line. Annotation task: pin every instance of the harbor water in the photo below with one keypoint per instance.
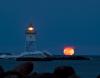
x,y
84,68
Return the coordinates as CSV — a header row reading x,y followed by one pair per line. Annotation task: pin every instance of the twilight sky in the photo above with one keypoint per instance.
x,y
59,23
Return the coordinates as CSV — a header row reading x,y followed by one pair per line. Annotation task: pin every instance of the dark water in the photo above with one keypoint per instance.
x,y
84,68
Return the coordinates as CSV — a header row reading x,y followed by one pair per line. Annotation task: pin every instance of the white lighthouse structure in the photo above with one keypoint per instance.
x,y
30,43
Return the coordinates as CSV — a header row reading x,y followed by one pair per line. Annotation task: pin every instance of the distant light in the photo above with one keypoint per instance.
x,y
30,28
69,51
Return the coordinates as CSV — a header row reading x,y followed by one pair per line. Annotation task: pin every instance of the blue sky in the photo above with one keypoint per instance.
x,y
59,23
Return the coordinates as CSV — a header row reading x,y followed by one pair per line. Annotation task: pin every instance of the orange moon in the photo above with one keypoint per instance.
x,y
69,51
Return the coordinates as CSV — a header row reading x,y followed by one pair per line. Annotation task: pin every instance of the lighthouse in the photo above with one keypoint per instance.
x,y
30,42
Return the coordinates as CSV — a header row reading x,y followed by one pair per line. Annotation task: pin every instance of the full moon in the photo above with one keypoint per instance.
x,y
69,51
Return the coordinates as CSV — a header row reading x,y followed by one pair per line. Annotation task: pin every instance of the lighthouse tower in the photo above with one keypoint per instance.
x,y
30,43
